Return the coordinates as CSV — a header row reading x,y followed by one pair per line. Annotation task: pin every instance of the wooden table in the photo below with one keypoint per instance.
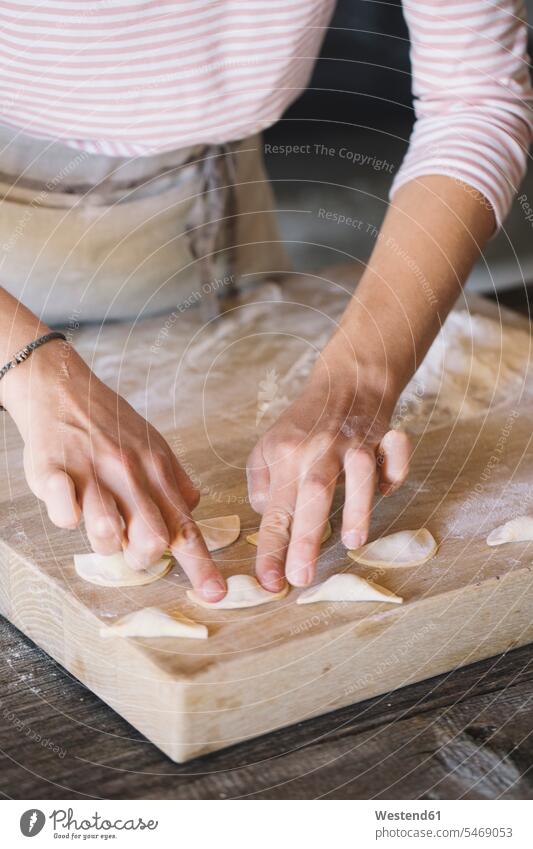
x,y
463,734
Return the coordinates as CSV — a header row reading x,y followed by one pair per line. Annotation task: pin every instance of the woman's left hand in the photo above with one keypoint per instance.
x,y
295,466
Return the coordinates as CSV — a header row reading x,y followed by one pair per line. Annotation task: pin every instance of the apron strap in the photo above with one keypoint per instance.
x,y
215,202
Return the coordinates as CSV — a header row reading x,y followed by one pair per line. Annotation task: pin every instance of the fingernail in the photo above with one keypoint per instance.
x,y
352,539
300,577
306,575
212,588
258,500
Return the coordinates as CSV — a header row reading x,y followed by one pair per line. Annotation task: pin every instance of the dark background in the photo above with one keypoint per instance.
x,y
366,54
360,97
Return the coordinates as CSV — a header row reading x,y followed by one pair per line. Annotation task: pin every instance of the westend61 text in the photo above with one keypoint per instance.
x,y
407,815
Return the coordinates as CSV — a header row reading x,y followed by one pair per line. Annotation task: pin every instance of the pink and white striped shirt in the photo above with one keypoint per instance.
x,y
136,77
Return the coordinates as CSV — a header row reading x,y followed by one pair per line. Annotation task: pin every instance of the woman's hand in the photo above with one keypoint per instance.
x,y
294,468
86,451
430,238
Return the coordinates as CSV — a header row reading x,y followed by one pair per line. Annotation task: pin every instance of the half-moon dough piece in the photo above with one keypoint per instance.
x,y
252,539
220,531
347,587
516,530
404,548
112,570
153,622
243,591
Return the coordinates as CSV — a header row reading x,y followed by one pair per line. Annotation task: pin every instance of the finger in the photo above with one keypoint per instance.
x,y
185,540
311,514
170,486
395,454
189,549
146,535
102,519
274,536
187,488
258,478
56,488
360,475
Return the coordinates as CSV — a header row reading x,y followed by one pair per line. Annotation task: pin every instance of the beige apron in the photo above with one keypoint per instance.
x,y
88,237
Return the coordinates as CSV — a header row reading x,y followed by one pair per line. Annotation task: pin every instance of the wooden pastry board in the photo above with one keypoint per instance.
x,y
269,667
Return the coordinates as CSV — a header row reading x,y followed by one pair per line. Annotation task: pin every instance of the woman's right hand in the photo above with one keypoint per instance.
x,y
86,451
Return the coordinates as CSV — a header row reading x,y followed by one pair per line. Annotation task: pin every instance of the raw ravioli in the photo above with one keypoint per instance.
x,y
220,531
243,591
404,548
153,622
112,570
516,530
347,587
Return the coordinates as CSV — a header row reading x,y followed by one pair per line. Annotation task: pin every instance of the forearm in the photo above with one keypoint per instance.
x,y
18,326
86,450
429,241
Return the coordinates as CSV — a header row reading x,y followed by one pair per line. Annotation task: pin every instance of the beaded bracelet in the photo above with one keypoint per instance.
x,y
28,349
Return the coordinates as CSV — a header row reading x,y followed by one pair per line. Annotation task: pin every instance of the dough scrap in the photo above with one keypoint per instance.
x,y
112,570
252,539
153,622
347,587
220,531
404,548
516,530
243,591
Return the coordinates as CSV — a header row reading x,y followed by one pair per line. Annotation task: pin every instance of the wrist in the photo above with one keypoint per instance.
x,y
36,378
349,377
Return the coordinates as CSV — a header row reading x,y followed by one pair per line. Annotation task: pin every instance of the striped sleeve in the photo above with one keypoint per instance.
x,y
473,95
137,77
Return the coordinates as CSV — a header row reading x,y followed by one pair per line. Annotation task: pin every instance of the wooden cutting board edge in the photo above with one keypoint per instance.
x,y
191,715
